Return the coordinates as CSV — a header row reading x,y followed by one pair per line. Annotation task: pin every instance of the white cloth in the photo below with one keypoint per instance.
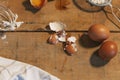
x,y
15,70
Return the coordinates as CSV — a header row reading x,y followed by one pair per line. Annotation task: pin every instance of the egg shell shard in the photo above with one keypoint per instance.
x,y
70,48
62,36
62,39
56,26
71,39
74,46
53,39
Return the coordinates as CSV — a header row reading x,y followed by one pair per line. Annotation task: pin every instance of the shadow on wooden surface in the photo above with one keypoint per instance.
x,y
85,6
29,7
86,42
96,61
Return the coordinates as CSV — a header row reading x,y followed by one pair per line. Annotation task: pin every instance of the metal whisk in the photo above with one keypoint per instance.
x,y
105,3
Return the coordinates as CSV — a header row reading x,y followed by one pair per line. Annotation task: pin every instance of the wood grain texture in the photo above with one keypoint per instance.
x,y
32,47
79,15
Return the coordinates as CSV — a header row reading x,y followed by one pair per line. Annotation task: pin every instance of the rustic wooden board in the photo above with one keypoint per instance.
x,y
80,15
33,49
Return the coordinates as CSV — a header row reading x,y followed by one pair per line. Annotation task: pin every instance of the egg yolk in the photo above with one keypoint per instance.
x,y
37,3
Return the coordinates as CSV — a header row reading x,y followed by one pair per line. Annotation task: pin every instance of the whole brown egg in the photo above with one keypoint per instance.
x,y
108,50
98,32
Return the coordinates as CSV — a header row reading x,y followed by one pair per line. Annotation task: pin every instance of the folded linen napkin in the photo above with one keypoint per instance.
x,y
15,70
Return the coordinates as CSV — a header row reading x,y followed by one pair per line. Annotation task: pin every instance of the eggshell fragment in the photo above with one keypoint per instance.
x,y
62,39
62,36
53,39
70,48
57,26
71,39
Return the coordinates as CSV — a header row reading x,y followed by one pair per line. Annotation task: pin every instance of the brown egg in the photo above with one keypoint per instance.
x,y
53,39
108,50
98,32
70,48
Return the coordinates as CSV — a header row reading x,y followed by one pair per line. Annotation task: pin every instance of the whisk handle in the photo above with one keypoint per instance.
x,y
114,13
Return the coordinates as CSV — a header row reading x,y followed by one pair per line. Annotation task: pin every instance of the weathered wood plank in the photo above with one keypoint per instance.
x,y
33,49
80,15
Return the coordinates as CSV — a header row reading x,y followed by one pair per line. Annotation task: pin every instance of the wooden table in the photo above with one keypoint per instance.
x,y
29,43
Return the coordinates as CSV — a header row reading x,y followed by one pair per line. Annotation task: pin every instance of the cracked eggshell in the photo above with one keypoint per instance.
x,y
61,33
53,39
62,39
62,36
57,26
70,48
71,39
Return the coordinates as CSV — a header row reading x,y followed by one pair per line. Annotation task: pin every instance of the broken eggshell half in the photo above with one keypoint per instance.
x,y
62,36
70,46
57,26
53,39
56,37
71,39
